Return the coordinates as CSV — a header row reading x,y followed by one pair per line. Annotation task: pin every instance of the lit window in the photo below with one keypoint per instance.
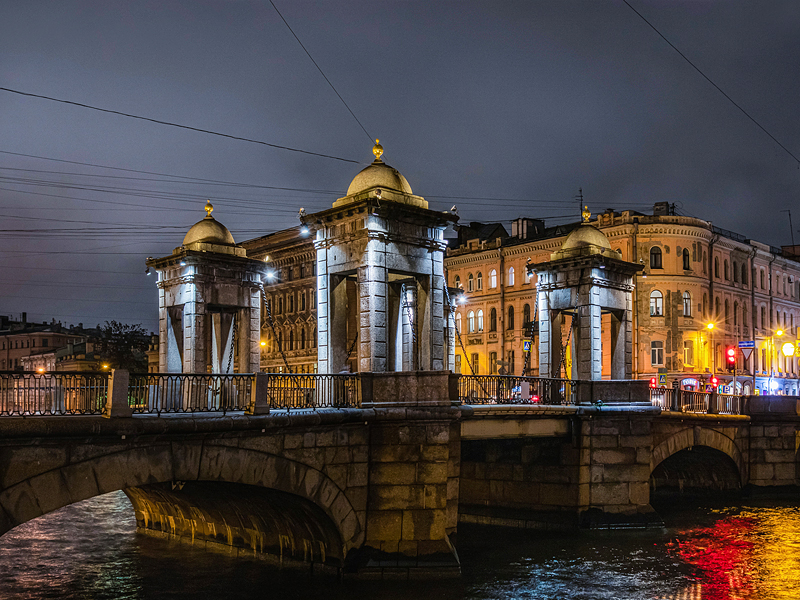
x,y
480,320
471,322
656,304
688,352
687,304
493,279
511,276
458,322
479,282
470,282
686,260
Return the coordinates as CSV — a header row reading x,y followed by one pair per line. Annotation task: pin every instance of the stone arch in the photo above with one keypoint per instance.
x,y
35,494
699,436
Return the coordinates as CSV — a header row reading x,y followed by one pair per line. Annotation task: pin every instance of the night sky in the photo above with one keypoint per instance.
x,y
502,108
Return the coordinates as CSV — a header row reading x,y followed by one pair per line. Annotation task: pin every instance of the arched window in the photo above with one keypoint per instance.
x,y
492,279
763,280
705,306
744,315
526,314
716,267
727,311
458,322
686,260
735,313
656,304
687,304
784,285
717,312
510,318
763,317
735,268
480,320
457,282
280,305
470,282
302,300
291,302
725,266
471,322
510,276
655,257
744,274
493,320
479,281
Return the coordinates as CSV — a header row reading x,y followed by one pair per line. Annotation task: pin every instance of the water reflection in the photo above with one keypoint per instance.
x,y
91,550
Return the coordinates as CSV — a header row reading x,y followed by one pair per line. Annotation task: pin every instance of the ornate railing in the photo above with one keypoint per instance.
x,y
181,393
313,391
507,389
52,393
696,402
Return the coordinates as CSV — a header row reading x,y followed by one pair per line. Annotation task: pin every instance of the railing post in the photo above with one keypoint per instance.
x,y
258,396
117,398
712,403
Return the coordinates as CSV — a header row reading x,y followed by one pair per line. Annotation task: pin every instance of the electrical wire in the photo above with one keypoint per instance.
x,y
708,79
319,69
170,124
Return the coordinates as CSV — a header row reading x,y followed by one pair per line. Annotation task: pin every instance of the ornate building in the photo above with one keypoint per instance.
x,y
694,275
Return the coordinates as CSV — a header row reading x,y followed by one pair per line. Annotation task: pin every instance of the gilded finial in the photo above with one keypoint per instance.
x,y
586,214
209,208
377,150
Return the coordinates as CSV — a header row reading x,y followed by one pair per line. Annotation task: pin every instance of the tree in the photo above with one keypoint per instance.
x,y
123,346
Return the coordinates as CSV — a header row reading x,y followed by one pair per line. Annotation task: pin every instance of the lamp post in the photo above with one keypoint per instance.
x,y
710,328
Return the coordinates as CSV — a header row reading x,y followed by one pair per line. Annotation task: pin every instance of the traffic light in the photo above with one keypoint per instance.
x,y
714,380
730,357
653,382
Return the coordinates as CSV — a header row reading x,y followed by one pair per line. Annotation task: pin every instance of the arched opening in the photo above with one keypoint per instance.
x,y
693,472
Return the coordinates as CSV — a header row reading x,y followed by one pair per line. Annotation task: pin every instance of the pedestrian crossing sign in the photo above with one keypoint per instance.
x,y
526,346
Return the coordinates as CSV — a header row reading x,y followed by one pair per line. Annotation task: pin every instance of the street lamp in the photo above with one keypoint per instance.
x,y
710,328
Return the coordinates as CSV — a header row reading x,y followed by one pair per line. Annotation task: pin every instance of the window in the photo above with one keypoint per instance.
x,y
655,257
725,265
688,352
302,300
510,362
470,322
735,313
44,343
656,304
458,322
480,320
302,339
763,317
763,284
716,267
458,363
705,306
493,320
457,282
717,311
687,304
735,272
744,316
511,276
493,362
510,318
657,354
526,314
475,363
744,274
493,279
291,340
291,302
686,260
479,281
470,282
280,305
727,312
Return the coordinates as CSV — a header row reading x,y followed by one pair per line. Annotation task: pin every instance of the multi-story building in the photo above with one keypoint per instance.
x,y
19,340
702,291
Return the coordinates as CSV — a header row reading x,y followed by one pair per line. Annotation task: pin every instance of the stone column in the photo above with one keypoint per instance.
x,y
373,355
323,304
588,333
545,337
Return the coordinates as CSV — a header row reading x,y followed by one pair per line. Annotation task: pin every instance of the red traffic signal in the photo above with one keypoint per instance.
x,y
653,382
714,380
730,355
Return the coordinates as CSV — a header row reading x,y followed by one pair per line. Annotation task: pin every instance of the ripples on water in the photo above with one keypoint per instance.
x,y
91,550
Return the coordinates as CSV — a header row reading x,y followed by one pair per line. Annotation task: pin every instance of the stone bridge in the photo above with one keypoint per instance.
x,y
378,491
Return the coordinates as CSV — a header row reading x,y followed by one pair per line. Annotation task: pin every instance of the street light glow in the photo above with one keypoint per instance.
x,y
788,349
710,326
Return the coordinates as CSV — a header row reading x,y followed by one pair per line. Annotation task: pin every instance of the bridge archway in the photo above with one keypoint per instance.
x,y
716,459
171,465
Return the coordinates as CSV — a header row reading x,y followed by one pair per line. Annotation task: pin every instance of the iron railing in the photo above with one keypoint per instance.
x,y
696,402
285,390
186,393
52,393
508,389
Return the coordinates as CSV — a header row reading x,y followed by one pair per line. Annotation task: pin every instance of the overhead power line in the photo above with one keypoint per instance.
x,y
170,124
319,68
708,79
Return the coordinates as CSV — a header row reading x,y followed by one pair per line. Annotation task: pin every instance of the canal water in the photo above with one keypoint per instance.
x,y
752,551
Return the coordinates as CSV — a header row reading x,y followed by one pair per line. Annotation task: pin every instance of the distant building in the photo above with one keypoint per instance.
x,y
30,346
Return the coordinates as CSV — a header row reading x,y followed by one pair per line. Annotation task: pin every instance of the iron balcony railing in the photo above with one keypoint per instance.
x,y
187,393
52,393
507,389
313,390
696,402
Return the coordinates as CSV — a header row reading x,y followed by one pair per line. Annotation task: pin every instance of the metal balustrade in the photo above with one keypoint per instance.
x,y
23,394
508,389
696,402
313,391
187,393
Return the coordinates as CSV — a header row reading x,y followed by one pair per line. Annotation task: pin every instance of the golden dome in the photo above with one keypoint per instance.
x,y
586,235
381,175
208,231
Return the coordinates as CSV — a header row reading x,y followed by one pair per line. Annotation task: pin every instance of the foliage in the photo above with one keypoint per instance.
x,y
123,346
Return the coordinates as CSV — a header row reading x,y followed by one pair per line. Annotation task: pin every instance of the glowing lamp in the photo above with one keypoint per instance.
x,y
710,326
263,343
788,349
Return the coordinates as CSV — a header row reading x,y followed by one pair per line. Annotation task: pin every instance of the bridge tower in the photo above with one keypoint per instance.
x,y
209,303
380,277
583,280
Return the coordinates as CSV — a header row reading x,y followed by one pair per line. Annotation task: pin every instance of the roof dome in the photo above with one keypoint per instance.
x,y
379,174
586,236
208,231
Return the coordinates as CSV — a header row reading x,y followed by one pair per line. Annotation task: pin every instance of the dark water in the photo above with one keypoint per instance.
x,y
91,550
